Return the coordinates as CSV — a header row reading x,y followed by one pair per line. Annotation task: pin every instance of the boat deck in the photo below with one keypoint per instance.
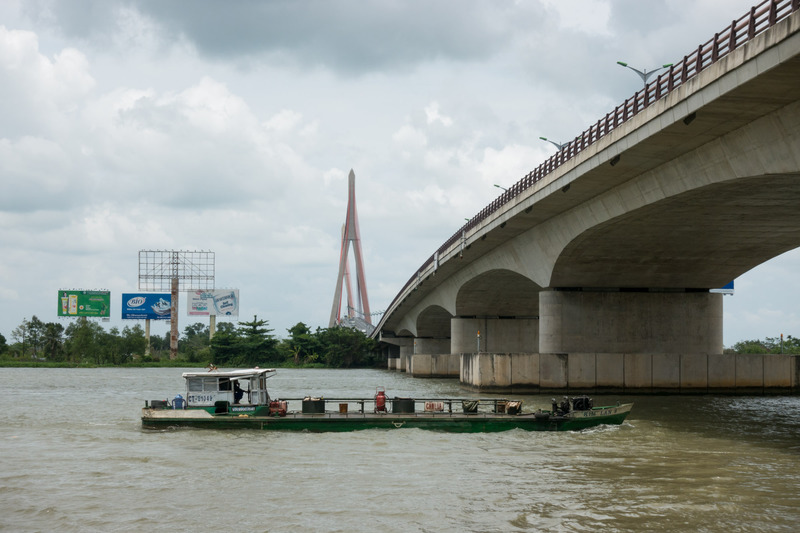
x,y
344,420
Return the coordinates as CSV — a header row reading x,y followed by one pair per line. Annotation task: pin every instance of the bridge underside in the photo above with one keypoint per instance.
x,y
699,239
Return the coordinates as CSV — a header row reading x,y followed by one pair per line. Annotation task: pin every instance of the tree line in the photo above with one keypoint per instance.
x,y
246,343
773,345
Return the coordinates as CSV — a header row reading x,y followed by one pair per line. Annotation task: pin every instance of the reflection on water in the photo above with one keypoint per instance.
x,y
74,458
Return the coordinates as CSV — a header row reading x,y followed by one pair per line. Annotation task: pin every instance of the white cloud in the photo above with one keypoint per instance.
x,y
585,16
210,106
37,93
513,161
286,120
433,115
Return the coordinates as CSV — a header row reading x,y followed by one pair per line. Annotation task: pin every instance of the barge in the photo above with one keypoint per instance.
x,y
239,399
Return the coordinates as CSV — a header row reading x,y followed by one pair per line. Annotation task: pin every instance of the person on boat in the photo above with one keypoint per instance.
x,y
237,392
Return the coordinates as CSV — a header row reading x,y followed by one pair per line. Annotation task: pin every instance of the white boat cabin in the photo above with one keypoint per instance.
x,y
237,387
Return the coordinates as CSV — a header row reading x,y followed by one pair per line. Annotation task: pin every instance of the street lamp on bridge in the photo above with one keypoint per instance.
x,y
500,187
645,75
559,146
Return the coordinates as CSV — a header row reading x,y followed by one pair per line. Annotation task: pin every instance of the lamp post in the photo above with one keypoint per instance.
x,y
500,187
645,75
557,145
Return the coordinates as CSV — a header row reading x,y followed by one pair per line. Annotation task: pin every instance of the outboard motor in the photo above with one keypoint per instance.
x,y
582,403
565,405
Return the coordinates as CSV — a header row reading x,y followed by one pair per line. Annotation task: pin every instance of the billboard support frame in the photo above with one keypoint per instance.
x,y
176,270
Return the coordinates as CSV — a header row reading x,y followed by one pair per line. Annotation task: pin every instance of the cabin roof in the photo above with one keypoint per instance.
x,y
244,373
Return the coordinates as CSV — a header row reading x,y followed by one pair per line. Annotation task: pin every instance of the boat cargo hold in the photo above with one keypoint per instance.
x,y
239,399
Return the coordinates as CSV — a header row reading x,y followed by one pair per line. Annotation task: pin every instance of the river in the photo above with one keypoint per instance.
x,y
73,457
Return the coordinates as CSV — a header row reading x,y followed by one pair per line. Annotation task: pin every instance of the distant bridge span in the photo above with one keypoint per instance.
x,y
600,261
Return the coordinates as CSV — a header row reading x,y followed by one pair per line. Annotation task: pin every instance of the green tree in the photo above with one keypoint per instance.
x,y
346,347
159,346
302,346
3,345
195,339
84,341
224,345
110,349
751,346
53,342
22,338
133,342
256,344
790,345
36,330
195,342
195,331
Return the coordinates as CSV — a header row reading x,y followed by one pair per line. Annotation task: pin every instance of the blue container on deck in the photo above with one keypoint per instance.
x,y
178,402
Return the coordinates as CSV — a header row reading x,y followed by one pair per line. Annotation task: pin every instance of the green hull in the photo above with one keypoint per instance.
x,y
336,422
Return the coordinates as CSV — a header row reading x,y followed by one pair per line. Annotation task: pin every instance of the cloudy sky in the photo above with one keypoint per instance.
x,y
130,125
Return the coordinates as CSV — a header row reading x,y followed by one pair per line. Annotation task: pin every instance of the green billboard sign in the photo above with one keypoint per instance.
x,y
84,303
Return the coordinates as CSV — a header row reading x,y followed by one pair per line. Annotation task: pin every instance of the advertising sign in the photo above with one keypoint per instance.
x,y
727,289
216,302
146,305
84,303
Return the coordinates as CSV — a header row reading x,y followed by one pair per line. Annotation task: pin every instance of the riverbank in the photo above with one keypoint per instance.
x,y
148,364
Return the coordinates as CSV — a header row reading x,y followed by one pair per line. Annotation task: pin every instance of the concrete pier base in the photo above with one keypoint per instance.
x,y
656,373
435,365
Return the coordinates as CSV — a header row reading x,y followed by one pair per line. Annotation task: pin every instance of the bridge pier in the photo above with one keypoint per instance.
x,y
494,334
630,322
609,340
399,354
392,354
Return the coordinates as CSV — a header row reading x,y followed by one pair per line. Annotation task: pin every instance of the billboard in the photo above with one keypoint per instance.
x,y
220,302
84,303
146,305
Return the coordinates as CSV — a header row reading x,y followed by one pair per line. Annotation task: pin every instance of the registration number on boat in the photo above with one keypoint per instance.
x,y
199,398
603,412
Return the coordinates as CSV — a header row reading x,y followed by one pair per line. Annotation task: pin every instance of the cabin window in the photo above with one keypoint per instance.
x,y
209,384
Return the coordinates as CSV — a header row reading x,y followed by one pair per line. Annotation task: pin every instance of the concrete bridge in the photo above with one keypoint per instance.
x,y
594,271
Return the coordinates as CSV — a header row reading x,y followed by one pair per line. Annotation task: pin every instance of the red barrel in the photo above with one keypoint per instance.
x,y
380,399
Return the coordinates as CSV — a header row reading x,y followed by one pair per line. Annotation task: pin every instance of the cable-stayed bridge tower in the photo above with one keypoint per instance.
x,y
357,303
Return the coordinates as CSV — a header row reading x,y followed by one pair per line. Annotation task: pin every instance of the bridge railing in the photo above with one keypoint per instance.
x,y
760,18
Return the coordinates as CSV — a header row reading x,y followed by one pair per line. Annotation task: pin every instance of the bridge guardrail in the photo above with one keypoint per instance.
x,y
760,18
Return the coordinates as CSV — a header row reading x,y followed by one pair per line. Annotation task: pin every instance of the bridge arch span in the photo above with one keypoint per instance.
x,y
434,322
497,310
498,292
